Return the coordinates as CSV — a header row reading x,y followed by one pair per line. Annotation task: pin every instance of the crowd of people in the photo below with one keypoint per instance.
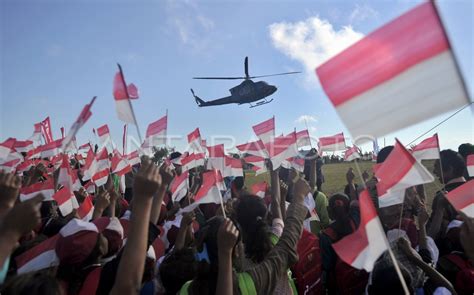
x,y
140,241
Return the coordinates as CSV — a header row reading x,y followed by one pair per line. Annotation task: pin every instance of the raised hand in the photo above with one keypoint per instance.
x,y
102,201
9,190
188,218
147,180
22,218
302,189
227,236
167,174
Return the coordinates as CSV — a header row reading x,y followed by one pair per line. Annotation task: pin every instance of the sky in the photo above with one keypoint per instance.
x,y
57,55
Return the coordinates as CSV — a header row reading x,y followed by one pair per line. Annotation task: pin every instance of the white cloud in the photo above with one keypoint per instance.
x,y
311,41
361,13
306,119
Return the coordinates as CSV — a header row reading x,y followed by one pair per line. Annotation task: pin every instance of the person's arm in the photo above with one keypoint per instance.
x,y
184,227
226,239
130,271
275,186
101,203
422,220
21,219
312,170
438,279
9,190
436,219
166,178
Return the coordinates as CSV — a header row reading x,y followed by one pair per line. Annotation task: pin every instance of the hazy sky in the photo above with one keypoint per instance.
x,y
56,55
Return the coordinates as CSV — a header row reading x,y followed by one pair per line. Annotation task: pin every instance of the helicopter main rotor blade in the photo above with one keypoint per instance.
x,y
219,78
280,74
246,67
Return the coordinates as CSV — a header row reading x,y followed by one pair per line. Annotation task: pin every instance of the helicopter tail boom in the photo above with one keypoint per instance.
x,y
199,101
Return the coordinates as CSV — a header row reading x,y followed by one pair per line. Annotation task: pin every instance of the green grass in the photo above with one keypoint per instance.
x,y
335,178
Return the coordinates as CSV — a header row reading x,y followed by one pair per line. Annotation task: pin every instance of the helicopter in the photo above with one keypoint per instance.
x,y
246,92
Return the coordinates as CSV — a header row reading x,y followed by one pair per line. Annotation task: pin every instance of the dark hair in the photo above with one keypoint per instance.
x,y
33,283
466,149
238,182
338,210
452,159
385,281
176,269
251,214
175,155
383,154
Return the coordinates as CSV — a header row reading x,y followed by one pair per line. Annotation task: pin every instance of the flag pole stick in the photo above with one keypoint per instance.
x,y
310,143
392,256
130,104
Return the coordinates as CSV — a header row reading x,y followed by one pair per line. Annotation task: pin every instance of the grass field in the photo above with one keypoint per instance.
x,y
335,178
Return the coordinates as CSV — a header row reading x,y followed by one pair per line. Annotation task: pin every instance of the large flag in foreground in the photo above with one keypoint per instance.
x,y
405,68
363,247
122,95
397,173
265,130
462,198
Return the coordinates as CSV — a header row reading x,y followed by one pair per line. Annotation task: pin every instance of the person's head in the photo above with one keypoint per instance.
x,y
176,269
338,210
383,154
466,149
450,165
385,281
251,214
33,283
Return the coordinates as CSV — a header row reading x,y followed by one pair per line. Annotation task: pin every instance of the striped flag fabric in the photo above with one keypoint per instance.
x,y
66,201
303,139
195,142
295,163
39,257
65,177
352,153
46,130
259,189
100,177
397,173
103,161
120,165
51,149
9,166
26,165
156,132
233,167
23,146
256,148
403,67
470,165
83,117
209,192
257,162
36,137
192,161
282,148
133,158
428,149
104,134
90,167
364,246
216,159
86,209
265,131
46,188
6,148
179,186
122,95
332,143
462,198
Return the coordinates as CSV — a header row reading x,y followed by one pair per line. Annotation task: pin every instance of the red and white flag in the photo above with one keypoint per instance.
x,y
156,132
404,67
216,157
36,137
66,201
397,173
256,148
46,130
23,146
102,159
85,148
257,162
26,165
133,158
6,148
195,142
470,165
104,135
259,189
51,149
303,139
233,167
122,95
428,149
65,177
294,162
364,246
352,153
265,131
282,148
100,177
332,143
39,257
192,161
209,192
179,186
84,115
46,188
462,198
120,165
9,166
86,209
90,167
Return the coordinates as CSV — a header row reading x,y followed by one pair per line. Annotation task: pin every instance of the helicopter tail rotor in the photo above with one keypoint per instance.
x,y
199,101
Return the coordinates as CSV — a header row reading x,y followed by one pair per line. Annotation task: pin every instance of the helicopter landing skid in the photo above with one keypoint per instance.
x,y
260,103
